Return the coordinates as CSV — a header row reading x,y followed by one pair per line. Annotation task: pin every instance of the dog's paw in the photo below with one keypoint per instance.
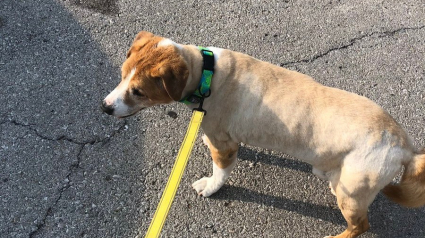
x,y
329,237
206,140
204,186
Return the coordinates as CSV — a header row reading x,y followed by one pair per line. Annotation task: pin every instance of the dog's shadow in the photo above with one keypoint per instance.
x,y
248,154
383,214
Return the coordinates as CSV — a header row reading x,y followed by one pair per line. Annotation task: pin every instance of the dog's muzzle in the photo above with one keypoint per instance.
x,y
107,108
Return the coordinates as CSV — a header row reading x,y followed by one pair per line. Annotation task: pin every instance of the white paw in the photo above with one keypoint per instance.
x,y
328,237
206,140
204,186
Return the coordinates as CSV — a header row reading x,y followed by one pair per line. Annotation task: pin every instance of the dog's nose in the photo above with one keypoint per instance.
x,y
107,108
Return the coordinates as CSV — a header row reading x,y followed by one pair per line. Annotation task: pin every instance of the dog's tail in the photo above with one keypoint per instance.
x,y
410,192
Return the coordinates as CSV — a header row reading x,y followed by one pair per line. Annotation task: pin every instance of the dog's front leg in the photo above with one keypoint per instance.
x,y
224,160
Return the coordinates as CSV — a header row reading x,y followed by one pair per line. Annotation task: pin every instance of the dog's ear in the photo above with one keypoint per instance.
x,y
144,36
174,77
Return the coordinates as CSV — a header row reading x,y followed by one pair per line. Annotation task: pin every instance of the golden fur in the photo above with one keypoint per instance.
x,y
348,139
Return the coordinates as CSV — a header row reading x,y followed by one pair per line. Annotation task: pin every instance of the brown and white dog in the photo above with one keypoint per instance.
x,y
348,139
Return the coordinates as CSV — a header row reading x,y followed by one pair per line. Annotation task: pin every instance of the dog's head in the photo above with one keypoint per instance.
x,y
153,73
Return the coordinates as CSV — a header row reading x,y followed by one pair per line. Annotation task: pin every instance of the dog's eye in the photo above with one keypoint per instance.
x,y
137,92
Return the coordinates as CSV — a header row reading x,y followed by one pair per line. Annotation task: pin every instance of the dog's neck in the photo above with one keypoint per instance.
x,y
194,60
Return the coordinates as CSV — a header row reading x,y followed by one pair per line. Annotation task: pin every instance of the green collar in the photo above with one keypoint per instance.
x,y
204,87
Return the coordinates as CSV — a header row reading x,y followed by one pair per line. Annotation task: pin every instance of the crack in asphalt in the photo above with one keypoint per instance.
x,y
351,42
72,167
49,211
64,138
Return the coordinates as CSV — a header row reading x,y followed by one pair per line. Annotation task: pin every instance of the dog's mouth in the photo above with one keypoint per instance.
x,y
132,114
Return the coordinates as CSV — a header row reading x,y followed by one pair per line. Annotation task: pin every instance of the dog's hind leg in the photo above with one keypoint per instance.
x,y
355,213
355,192
224,160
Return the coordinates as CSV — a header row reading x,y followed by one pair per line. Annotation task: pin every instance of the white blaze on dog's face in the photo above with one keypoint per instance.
x,y
151,75
119,95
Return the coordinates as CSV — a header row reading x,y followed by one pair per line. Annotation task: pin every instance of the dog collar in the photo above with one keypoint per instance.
x,y
204,88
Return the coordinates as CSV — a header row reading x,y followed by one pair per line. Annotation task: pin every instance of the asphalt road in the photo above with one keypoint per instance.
x,y
67,170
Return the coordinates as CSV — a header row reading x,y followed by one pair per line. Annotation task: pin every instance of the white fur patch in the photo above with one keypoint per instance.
x,y
206,186
167,42
116,97
216,51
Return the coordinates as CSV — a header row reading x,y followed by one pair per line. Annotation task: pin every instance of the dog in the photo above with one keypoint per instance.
x,y
348,139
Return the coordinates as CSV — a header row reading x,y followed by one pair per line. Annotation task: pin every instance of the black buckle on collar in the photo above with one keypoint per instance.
x,y
208,60
200,100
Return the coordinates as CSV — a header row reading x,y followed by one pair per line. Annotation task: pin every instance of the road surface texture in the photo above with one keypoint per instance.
x,y
68,170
